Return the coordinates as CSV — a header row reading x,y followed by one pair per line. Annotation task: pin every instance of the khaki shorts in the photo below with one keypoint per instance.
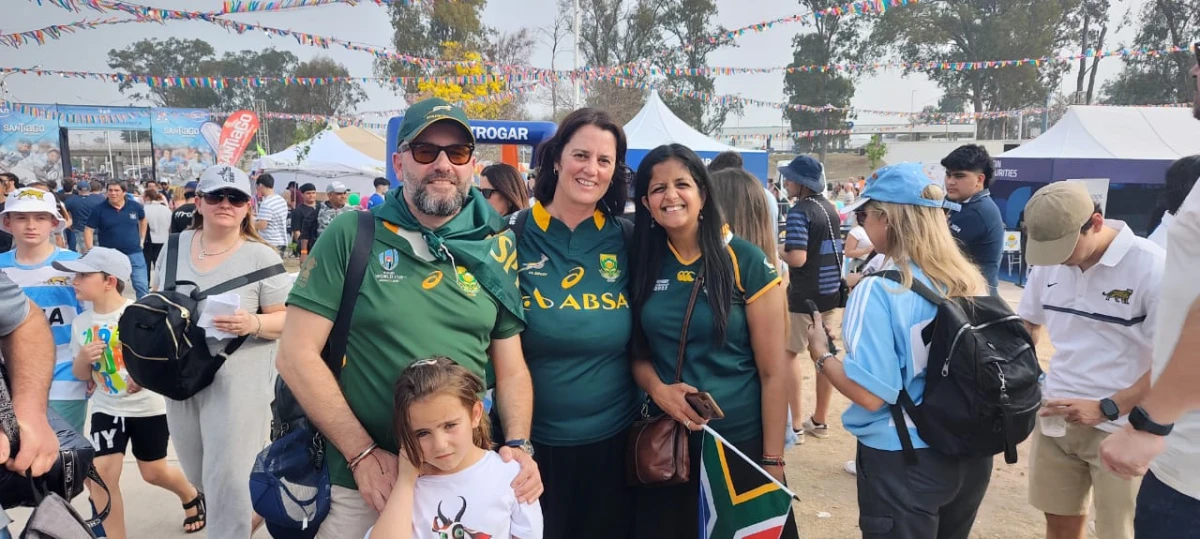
x,y
798,328
1063,473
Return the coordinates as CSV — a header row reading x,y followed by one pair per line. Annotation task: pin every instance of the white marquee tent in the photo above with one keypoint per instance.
x,y
351,155
656,125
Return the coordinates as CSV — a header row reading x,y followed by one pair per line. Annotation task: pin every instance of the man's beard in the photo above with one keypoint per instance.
x,y
431,205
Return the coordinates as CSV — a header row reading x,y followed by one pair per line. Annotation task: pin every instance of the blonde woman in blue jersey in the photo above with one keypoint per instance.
x,y
882,327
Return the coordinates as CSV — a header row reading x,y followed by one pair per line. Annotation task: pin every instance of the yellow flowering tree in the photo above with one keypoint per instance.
x,y
476,95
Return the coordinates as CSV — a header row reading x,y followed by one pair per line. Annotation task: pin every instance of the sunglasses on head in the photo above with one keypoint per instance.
x,y
426,153
236,199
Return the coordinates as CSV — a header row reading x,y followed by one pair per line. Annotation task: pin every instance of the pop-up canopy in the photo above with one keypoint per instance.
x,y
351,155
656,125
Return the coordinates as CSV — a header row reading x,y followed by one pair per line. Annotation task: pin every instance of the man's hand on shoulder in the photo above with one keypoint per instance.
x,y
528,483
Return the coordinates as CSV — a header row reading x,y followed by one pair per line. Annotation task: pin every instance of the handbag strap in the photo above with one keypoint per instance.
x,y
829,223
240,281
687,321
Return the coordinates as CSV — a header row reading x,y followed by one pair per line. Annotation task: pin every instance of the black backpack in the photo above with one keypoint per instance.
x,y
981,383
164,349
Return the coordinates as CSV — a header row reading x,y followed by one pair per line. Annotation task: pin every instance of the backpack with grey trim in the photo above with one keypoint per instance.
x,y
981,382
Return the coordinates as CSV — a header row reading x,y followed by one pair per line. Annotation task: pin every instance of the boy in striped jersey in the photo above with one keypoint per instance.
x,y
32,217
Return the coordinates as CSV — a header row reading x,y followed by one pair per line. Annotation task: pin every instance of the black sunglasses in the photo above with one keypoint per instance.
x,y
487,191
425,153
236,199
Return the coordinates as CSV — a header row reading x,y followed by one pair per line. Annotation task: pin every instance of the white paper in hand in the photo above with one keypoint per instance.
x,y
219,305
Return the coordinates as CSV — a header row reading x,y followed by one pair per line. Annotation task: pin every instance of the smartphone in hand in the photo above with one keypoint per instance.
x,y
812,309
704,405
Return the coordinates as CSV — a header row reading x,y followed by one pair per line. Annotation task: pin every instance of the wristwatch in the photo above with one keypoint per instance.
x,y
522,444
1110,409
1140,420
820,362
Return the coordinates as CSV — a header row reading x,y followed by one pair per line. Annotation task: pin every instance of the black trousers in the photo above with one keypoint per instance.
x,y
585,496
674,512
937,498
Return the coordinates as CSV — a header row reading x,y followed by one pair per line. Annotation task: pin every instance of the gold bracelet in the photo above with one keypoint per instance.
x,y
258,319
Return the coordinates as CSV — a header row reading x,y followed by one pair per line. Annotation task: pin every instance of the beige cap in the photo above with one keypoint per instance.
x,y
1053,218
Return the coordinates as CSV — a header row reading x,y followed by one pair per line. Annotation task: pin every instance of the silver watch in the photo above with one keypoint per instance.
x,y
820,363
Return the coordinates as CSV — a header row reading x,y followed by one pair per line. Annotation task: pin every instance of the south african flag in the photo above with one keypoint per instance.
x,y
738,500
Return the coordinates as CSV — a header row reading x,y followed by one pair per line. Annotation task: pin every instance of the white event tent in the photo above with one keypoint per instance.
x,y
351,155
656,125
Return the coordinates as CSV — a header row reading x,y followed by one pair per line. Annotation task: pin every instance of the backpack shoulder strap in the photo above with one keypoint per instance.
x,y
172,261
917,286
516,223
240,281
356,270
903,404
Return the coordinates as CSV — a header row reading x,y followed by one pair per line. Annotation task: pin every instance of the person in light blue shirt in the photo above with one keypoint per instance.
x,y
887,351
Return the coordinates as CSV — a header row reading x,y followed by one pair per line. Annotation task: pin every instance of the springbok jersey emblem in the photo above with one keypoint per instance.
x,y
447,528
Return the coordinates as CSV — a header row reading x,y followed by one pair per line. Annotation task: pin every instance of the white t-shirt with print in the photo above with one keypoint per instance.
x,y
479,500
112,395
1179,466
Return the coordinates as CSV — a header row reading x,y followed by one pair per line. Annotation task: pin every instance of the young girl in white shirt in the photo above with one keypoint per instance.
x,y
449,482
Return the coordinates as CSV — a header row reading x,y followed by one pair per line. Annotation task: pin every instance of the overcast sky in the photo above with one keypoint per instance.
x,y
87,50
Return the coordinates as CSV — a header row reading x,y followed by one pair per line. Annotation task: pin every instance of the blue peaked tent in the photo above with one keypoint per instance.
x,y
656,125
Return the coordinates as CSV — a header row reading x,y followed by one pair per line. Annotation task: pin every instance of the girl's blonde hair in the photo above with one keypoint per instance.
x,y
920,235
429,377
248,231
744,207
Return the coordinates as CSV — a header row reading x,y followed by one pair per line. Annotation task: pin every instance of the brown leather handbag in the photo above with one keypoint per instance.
x,y
657,448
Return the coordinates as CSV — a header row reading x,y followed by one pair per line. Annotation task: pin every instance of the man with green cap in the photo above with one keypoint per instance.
x,y
440,256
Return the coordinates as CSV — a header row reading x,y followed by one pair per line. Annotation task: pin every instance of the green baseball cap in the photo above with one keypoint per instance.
x,y
427,112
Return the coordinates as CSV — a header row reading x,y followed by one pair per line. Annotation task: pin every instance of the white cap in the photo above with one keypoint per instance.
x,y
337,187
219,177
99,259
30,200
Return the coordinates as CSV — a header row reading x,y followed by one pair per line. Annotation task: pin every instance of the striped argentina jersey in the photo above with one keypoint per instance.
x,y
51,290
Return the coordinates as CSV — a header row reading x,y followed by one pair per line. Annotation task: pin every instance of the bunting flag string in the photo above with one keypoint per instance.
x,y
239,6
220,83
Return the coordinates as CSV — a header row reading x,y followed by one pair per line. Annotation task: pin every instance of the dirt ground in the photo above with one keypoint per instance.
x,y
815,474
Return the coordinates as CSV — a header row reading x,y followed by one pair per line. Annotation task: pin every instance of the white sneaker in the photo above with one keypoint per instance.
x,y
811,427
799,436
850,467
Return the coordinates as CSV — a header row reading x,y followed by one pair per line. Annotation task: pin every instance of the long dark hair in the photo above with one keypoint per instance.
x,y
508,183
649,243
550,152
1180,178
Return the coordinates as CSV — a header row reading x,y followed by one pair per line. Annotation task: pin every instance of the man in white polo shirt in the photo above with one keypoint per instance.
x,y
1095,287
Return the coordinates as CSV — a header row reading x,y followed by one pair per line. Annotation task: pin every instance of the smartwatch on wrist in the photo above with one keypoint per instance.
x,y
1109,408
522,444
1140,420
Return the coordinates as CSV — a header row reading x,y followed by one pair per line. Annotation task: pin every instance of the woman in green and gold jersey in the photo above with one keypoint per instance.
x,y
734,348
574,273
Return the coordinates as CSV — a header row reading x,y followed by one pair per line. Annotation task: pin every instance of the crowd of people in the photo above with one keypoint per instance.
x,y
507,336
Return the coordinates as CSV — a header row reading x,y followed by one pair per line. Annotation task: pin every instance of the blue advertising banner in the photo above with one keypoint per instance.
x,y
486,132
88,117
29,144
185,142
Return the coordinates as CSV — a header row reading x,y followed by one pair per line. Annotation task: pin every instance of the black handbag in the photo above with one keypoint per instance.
x,y
65,478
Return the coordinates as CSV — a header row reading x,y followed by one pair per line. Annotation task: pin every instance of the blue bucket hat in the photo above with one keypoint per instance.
x,y
805,171
901,183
